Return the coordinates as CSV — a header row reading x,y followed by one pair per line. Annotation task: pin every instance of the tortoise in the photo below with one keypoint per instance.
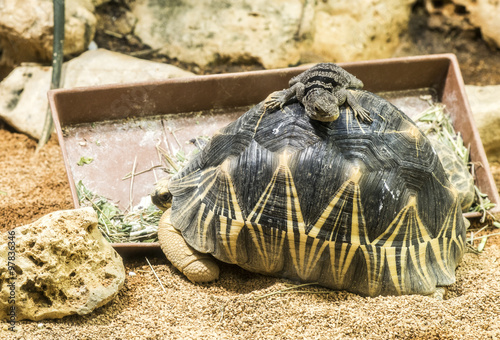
x,y
358,204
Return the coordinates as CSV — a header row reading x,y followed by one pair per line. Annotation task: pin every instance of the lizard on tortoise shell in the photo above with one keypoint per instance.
x,y
362,207
322,89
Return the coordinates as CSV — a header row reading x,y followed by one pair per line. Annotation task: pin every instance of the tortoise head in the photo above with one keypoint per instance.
x,y
321,105
161,197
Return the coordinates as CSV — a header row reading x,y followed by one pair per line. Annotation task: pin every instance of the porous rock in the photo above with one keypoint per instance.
x,y
26,29
273,33
23,94
63,266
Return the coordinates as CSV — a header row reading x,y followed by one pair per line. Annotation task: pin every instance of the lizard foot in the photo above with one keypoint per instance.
x,y
362,114
359,111
274,100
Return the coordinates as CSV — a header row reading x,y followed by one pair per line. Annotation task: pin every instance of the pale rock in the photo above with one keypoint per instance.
x,y
206,31
485,107
23,94
26,29
23,98
102,67
358,29
63,266
273,33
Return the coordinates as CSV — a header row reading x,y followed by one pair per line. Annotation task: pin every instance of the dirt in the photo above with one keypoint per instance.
x,y
231,309
34,184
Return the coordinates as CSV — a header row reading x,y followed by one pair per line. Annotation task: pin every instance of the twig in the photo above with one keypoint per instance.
x,y
143,52
494,234
127,176
472,249
161,284
132,185
472,238
158,153
154,172
175,137
169,159
165,138
113,34
287,290
222,312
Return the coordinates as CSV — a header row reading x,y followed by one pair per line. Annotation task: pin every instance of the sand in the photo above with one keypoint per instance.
x,y
36,184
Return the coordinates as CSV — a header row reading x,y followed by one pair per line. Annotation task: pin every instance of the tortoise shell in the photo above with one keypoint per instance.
x,y
364,208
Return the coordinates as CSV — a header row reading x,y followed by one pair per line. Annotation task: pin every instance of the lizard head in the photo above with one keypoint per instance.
x,y
321,105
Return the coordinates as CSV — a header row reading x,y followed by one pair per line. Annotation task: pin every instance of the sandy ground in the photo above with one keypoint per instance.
x,y
234,307
229,309
35,184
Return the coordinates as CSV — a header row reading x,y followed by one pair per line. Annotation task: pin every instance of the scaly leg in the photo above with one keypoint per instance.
x,y
280,98
359,111
196,266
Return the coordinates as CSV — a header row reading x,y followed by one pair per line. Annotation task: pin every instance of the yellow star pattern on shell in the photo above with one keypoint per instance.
x,y
405,246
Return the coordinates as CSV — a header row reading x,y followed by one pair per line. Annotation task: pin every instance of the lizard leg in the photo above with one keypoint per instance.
x,y
359,111
299,90
196,266
280,98
274,100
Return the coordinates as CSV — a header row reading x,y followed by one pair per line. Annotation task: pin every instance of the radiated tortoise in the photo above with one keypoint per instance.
x,y
358,204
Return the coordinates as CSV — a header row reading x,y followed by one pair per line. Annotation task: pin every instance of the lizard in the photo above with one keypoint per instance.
x,y
322,89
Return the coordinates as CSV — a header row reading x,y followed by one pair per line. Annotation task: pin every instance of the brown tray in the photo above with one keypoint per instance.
x,y
119,125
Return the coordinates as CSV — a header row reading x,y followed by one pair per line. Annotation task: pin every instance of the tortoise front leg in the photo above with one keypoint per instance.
x,y
196,266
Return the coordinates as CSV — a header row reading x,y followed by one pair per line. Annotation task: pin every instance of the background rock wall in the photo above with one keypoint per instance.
x,y
272,33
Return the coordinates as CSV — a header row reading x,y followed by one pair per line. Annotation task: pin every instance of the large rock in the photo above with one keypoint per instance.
x,y
63,266
274,33
206,31
358,30
26,29
486,109
102,67
23,94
